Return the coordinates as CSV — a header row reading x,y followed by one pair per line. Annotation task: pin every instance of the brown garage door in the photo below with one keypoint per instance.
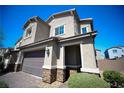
x,y
33,62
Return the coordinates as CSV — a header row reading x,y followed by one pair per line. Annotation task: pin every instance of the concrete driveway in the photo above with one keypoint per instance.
x,y
21,80
25,80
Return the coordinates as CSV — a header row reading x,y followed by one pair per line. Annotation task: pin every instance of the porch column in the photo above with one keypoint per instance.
x,y
49,67
61,73
19,61
88,60
61,61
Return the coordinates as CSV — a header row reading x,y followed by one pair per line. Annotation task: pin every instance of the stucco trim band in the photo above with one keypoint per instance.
x,y
92,70
79,36
49,67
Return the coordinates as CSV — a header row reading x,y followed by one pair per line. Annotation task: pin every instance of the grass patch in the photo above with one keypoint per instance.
x,y
85,80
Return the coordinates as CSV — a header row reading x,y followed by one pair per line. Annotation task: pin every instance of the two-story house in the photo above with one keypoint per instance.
x,y
114,52
55,48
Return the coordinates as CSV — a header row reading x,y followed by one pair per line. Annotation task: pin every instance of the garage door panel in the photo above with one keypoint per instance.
x,y
33,62
34,71
36,64
34,59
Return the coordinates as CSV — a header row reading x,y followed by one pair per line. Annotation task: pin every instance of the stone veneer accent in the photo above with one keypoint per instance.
x,y
49,75
72,71
61,75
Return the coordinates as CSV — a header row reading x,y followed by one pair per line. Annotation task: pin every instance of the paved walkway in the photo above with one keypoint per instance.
x,y
25,80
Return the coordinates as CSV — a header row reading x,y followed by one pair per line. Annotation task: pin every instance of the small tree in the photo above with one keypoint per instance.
x,y
115,78
1,64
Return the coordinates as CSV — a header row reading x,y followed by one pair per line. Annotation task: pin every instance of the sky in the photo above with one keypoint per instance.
x,y
108,21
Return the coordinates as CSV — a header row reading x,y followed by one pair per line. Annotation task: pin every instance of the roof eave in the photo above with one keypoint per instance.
x,y
34,19
86,20
71,11
36,43
90,34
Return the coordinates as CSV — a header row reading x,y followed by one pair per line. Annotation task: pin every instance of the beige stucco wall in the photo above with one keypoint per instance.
x,y
88,25
30,39
51,59
88,57
61,58
76,27
67,21
42,31
71,26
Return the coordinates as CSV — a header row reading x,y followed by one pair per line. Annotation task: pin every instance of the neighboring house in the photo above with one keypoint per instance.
x,y
52,49
99,55
114,52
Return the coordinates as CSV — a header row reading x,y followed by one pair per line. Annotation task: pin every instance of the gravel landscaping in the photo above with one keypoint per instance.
x,y
55,84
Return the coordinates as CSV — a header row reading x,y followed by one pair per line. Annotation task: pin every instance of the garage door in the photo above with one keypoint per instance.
x,y
33,62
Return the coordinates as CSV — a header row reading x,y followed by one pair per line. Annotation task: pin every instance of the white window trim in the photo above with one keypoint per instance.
x,y
59,34
86,28
25,37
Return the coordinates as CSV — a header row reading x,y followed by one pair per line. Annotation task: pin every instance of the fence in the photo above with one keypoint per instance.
x,y
107,64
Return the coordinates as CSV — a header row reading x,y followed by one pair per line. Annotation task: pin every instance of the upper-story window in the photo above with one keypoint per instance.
x,y
59,30
28,32
84,30
114,51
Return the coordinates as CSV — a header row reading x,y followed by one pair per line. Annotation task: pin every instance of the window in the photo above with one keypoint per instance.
x,y
114,51
28,32
122,50
84,30
116,56
59,30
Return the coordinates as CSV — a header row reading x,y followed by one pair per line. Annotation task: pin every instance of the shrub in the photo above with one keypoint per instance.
x,y
115,78
3,84
85,80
